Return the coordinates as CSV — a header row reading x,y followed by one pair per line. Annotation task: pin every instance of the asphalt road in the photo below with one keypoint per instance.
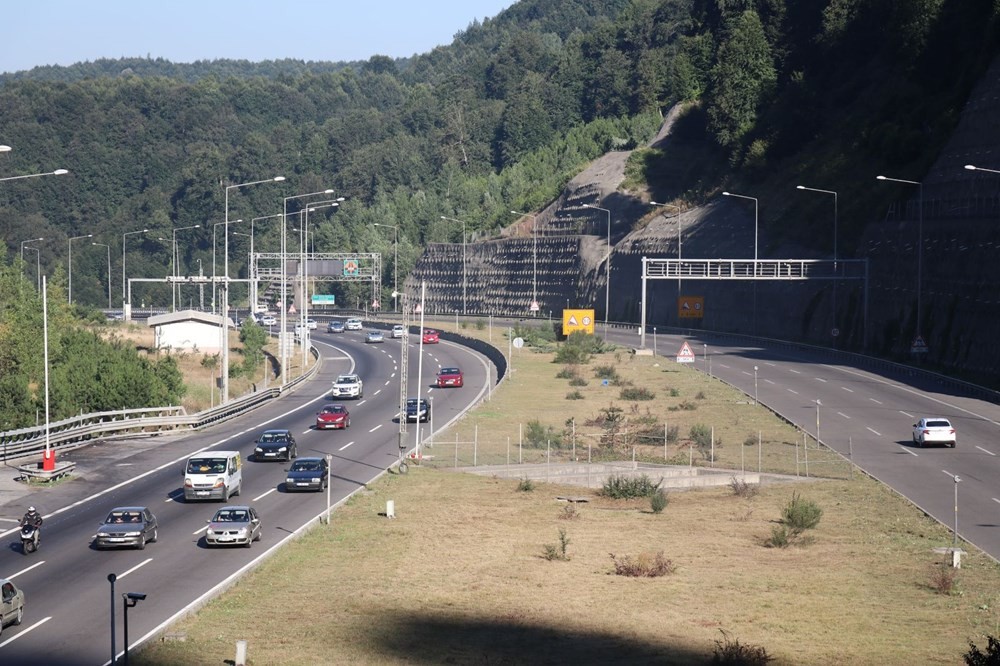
x,y
68,596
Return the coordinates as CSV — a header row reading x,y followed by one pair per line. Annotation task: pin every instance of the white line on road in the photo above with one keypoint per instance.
x,y
950,474
820,379
995,500
197,532
877,402
985,451
306,431
378,391
769,381
844,415
794,370
36,564
262,496
345,446
907,450
847,389
141,564
10,520
747,373
907,414
792,391
375,428
723,365
26,630
874,431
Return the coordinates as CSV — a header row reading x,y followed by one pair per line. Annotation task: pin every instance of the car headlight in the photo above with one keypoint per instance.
x,y
258,450
210,531
242,531
282,448
289,480
132,534
315,479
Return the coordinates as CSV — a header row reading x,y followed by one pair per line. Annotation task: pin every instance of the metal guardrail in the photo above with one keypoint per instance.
x,y
78,431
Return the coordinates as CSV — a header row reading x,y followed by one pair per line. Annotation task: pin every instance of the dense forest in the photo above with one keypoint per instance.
x,y
498,120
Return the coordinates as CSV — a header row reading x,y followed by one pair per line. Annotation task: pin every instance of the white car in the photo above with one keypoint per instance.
x,y
353,324
268,320
311,323
398,331
937,430
348,386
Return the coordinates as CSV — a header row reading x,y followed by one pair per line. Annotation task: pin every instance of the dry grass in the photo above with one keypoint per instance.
x,y
199,379
461,577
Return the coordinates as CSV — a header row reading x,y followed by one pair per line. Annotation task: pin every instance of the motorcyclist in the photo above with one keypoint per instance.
x,y
33,518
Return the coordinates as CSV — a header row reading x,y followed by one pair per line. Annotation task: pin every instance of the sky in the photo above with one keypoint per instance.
x,y
64,32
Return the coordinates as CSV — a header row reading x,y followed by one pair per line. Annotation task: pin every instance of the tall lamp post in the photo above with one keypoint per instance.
x,y
173,265
395,263
70,297
57,172
253,275
607,283
920,242
679,246
756,228
835,235
284,280
225,287
304,253
465,276
30,240
126,310
534,258
38,265
108,247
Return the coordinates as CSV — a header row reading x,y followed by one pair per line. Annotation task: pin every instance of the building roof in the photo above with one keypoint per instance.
x,y
187,315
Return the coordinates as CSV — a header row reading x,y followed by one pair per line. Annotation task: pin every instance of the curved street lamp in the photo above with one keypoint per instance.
x,y
57,172
395,263
70,270
465,278
920,242
607,284
104,245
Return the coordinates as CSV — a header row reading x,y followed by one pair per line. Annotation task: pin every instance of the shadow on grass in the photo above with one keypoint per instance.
x,y
460,640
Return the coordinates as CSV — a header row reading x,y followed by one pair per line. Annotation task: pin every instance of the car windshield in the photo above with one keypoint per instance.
x,y
450,371
206,466
273,437
335,409
412,402
347,379
231,516
940,423
118,516
306,466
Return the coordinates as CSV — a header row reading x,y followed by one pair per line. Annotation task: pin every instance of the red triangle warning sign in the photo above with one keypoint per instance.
x,y
685,355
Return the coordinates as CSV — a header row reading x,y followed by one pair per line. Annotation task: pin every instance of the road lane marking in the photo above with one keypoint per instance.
x,y
874,431
985,451
769,381
844,415
345,446
954,476
36,564
746,372
847,389
197,532
820,379
794,370
375,428
877,402
141,564
907,450
792,391
907,414
26,630
307,431
262,496
378,391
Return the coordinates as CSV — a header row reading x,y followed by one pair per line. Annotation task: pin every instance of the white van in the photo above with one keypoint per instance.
x,y
213,475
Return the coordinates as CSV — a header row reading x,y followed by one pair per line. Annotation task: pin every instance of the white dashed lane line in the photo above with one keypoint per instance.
x,y
345,446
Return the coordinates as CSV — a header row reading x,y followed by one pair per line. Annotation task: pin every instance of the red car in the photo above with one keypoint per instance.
x,y
431,337
333,416
450,377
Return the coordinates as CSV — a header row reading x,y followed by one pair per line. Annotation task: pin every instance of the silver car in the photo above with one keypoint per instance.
x,y
233,526
11,604
126,526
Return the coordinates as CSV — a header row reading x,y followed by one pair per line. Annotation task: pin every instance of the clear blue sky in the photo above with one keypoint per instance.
x,y
63,32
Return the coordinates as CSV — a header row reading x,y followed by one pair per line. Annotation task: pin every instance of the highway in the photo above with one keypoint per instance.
x,y
68,595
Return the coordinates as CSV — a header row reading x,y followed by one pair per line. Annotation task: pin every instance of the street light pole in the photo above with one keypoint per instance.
x,y
125,304
755,226
465,276
70,298
38,266
607,283
109,270
57,172
534,259
755,385
282,335
173,265
23,243
253,276
679,246
225,282
920,242
395,262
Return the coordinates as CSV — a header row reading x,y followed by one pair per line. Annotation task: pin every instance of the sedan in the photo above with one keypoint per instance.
x,y
333,416
268,320
353,324
418,411
374,336
431,337
11,604
233,526
307,474
276,444
935,430
450,377
312,324
335,327
126,526
398,331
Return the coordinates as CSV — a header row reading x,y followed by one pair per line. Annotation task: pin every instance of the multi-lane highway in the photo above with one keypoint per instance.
x,y
66,581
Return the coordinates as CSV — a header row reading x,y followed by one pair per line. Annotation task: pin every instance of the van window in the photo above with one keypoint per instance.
x,y
206,466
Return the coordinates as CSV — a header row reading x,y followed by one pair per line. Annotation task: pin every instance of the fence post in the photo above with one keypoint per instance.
x,y
475,447
850,456
760,450
664,441
805,452
520,444
713,446
456,450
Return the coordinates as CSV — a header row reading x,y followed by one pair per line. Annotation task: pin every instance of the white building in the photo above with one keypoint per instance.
x,y
188,331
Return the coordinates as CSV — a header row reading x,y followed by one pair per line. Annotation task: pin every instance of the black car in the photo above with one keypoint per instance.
x,y
307,474
421,413
275,445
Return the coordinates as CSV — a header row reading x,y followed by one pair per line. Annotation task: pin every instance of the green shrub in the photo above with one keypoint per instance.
x,y
780,537
629,487
578,381
636,393
570,354
557,552
646,565
658,501
574,395
525,485
569,372
541,436
801,514
480,324
730,652
605,372
674,393
673,432
743,488
701,435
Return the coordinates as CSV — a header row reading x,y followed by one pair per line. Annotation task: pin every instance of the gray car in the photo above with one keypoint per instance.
x,y
126,527
233,526
11,604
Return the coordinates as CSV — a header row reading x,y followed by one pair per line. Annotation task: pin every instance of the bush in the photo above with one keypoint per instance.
x,y
557,552
569,372
626,487
574,395
975,657
645,565
658,501
742,488
525,485
943,580
801,514
780,537
673,432
578,381
674,393
540,436
637,393
606,372
700,396
569,512
730,652
701,435
571,355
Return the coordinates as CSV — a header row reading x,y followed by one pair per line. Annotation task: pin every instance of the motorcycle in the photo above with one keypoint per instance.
x,y
29,539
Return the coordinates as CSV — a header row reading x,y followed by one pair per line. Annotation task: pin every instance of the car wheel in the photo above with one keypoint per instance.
x,y
295,452
225,495
348,423
19,617
239,488
249,541
142,543
156,535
